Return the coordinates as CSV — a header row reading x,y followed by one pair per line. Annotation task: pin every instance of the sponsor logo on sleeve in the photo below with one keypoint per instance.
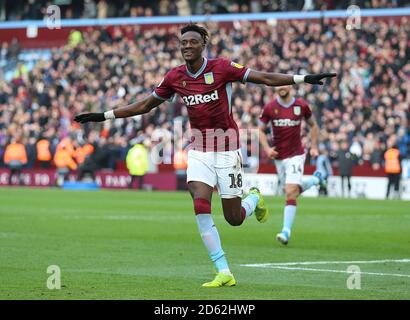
x,y
236,65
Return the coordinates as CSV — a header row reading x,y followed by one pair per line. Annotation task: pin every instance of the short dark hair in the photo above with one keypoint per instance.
x,y
194,27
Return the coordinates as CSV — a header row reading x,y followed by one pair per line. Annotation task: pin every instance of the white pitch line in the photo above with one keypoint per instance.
x,y
321,262
334,271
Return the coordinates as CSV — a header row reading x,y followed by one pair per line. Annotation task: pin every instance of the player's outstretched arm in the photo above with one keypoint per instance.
x,y
140,107
314,134
281,79
263,139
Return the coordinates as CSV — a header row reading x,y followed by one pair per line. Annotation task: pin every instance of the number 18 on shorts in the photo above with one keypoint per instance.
x,y
221,169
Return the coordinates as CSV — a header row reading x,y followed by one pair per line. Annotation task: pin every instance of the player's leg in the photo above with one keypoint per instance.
x,y
325,186
202,195
11,175
294,168
201,178
230,174
237,209
349,186
308,182
388,185
140,182
315,180
66,175
397,185
292,191
233,211
281,173
20,176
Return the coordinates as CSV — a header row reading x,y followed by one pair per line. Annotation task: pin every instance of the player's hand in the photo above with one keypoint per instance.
x,y
271,152
316,78
314,152
89,117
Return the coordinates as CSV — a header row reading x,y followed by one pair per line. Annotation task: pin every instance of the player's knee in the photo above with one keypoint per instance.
x,y
235,221
292,192
202,206
232,218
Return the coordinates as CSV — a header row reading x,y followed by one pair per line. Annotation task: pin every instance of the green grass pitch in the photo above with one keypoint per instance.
x,y
145,245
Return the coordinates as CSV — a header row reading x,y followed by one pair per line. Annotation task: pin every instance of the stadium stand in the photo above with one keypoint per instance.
x,y
77,9
368,105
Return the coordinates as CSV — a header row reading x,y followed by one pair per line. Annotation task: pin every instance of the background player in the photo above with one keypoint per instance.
x,y
324,167
215,158
285,114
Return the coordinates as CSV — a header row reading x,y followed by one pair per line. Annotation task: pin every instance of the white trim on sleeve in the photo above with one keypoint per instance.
x,y
245,76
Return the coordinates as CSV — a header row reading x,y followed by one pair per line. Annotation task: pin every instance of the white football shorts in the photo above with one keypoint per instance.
x,y
221,169
290,170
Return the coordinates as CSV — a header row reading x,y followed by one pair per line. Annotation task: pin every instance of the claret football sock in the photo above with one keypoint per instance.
x,y
289,215
212,242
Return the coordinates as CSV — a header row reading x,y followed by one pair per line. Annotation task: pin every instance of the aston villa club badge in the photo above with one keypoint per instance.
x,y
296,110
209,78
184,83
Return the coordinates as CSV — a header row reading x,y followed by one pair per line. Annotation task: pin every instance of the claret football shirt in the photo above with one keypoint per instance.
x,y
207,94
286,125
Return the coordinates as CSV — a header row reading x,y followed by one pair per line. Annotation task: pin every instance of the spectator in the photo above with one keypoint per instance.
x,y
13,50
43,152
345,161
323,166
90,154
75,38
90,9
137,165
31,152
393,170
82,151
308,5
356,150
376,156
63,159
183,8
15,157
403,141
101,154
102,9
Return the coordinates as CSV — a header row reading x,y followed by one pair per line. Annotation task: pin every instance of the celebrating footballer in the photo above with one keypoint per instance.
x,y
214,156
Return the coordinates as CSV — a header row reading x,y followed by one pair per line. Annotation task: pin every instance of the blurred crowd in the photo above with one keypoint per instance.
x,y
77,9
365,109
